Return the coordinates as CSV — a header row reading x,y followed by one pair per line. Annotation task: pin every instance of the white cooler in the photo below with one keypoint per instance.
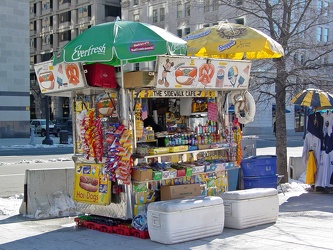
x,y
250,207
181,220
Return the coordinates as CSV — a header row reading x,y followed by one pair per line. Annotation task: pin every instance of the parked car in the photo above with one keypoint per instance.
x,y
63,125
40,127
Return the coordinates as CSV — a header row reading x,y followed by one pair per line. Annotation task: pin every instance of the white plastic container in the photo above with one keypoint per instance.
x,y
181,220
250,207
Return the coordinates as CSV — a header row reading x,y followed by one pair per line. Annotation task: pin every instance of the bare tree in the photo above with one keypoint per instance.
x,y
303,28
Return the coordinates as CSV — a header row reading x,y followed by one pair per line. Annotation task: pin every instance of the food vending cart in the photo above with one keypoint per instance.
x,y
178,140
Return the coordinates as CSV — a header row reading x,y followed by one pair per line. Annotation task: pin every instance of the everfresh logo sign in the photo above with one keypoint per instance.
x,y
80,53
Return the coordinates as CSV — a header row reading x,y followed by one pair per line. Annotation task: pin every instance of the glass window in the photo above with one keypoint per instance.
x,y
136,18
187,31
187,9
325,35
319,34
239,2
137,66
215,4
179,10
46,4
135,2
65,36
65,17
323,7
84,11
162,14
32,9
154,16
179,33
47,39
112,11
206,6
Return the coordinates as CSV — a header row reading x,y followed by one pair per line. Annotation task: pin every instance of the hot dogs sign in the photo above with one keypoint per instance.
x,y
202,73
61,77
91,184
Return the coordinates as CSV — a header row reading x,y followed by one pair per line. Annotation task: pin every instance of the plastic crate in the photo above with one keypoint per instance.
x,y
268,181
262,165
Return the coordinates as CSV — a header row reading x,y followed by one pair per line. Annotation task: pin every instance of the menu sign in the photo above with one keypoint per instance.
x,y
202,73
60,77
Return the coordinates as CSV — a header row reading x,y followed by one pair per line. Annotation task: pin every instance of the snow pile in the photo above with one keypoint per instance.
x,y
62,206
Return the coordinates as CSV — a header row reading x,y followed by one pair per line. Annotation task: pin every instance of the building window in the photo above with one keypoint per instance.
x,y
322,34
65,17
47,21
179,10
187,9
206,6
154,16
162,14
323,7
81,30
65,36
46,5
137,66
112,11
205,25
33,43
179,32
33,9
325,35
84,11
33,26
136,18
240,20
187,31
46,56
47,39
239,2
302,58
215,4
135,2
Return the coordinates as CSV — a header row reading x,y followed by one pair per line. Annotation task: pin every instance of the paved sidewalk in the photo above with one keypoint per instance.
x,y
304,222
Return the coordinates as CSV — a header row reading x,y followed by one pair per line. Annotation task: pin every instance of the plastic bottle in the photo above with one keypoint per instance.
x,y
200,129
166,141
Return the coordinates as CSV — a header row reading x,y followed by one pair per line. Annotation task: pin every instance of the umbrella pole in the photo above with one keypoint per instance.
x,y
306,111
124,107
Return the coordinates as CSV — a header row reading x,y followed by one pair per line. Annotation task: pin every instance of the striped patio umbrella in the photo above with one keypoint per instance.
x,y
315,98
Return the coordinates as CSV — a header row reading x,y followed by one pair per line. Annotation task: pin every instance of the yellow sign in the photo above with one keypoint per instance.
x,y
176,93
91,185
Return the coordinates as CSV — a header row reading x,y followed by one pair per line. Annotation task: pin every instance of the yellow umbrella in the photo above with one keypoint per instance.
x,y
232,41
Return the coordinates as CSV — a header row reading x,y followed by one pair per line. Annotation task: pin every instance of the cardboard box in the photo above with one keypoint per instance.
x,y
179,191
142,174
138,79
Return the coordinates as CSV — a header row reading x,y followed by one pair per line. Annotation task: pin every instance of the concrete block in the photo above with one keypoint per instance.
x,y
41,187
296,167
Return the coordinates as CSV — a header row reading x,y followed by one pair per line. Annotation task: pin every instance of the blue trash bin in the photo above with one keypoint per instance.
x,y
259,171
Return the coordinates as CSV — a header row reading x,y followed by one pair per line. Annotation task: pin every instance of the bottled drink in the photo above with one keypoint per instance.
x,y
166,141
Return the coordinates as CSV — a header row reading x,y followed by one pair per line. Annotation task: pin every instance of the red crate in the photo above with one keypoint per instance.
x,y
139,234
100,75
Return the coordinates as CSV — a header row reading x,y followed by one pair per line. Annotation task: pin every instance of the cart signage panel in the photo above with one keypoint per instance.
x,y
175,72
176,93
91,185
60,77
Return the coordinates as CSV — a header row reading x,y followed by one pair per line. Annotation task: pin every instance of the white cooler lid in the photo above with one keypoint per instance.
x,y
185,204
248,193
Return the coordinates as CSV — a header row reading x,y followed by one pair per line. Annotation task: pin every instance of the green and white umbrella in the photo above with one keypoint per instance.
x,y
118,42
